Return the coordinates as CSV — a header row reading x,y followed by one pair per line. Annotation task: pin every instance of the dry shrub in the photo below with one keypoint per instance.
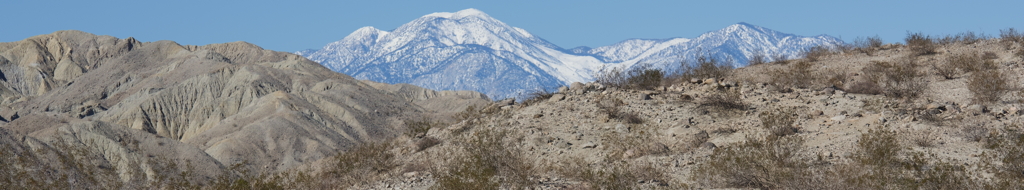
x,y
957,64
616,175
419,128
363,163
864,87
1007,149
488,163
796,75
988,86
817,52
769,164
988,55
641,77
924,138
705,67
962,38
778,122
1010,36
898,80
780,58
920,44
537,96
868,45
757,58
727,100
611,108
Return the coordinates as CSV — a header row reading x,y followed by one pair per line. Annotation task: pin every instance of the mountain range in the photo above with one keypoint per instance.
x,y
469,50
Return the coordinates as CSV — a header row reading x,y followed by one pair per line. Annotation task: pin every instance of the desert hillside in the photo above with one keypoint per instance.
x,y
929,113
932,112
79,110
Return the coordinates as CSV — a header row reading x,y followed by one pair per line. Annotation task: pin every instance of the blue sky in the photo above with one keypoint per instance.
x,y
302,24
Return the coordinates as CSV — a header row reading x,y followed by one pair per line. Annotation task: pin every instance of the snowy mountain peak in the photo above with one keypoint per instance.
x,y
469,50
470,12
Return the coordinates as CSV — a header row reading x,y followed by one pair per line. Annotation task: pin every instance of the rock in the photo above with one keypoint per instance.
x,y
695,80
589,145
816,112
1013,111
935,106
838,118
557,97
563,89
829,91
710,81
622,128
729,84
410,174
708,145
976,109
577,86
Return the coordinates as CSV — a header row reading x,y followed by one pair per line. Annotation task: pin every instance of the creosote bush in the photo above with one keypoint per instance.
x,y
867,45
487,163
957,64
723,100
757,59
898,80
618,175
920,44
778,122
362,163
817,52
768,164
640,77
988,85
1010,36
704,67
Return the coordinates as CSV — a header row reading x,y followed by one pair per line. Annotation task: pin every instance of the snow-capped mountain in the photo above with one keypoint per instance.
x,y
469,50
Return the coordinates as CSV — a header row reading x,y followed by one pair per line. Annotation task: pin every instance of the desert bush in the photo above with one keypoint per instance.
x,y
988,55
537,96
362,163
962,38
988,86
1006,158
610,107
778,122
898,80
864,87
757,58
617,175
780,58
799,75
418,128
488,163
920,44
727,100
817,52
867,45
769,164
957,64
1011,35
704,67
641,76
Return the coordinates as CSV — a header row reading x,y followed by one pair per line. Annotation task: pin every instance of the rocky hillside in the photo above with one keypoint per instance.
x,y
872,117
84,111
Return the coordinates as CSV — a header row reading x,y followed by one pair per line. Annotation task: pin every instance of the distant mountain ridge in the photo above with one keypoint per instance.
x,y
469,50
